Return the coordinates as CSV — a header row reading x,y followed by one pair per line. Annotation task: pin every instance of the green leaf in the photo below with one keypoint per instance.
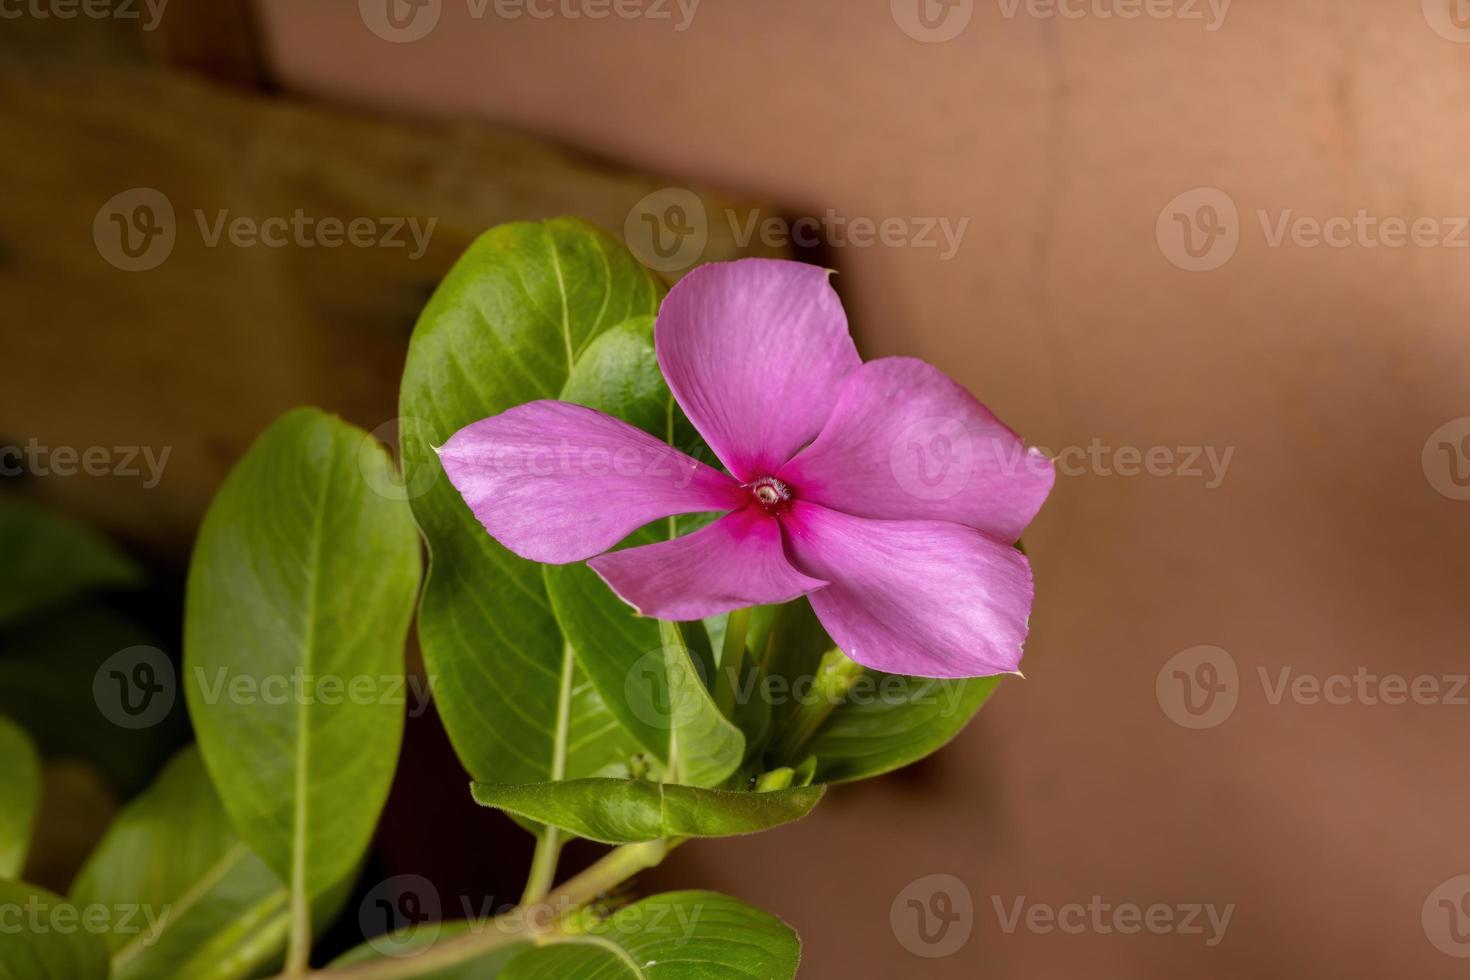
x,y
619,650
504,327
45,939
207,906
403,944
20,796
50,560
691,935
299,596
624,811
705,748
887,721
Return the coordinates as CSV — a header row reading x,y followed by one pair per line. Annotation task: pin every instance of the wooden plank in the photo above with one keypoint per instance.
x,y
195,355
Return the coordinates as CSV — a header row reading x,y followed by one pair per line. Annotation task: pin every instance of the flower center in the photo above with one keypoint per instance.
x,y
770,492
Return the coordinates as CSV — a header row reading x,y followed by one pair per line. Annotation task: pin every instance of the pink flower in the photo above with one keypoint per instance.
x,y
884,492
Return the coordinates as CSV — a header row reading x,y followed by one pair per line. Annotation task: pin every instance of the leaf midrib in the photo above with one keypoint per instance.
x,y
303,731
191,896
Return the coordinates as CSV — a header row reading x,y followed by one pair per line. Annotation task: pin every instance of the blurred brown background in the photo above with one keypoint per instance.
x,y
1097,169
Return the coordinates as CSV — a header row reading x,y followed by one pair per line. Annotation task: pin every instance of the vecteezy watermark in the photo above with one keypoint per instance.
x,y
1211,12
402,917
38,916
150,12
135,687
1105,918
669,229
1200,687
936,21
412,475
1446,459
933,916
126,462
932,21
934,458
1199,230
1450,19
136,230
1446,916
299,686
402,21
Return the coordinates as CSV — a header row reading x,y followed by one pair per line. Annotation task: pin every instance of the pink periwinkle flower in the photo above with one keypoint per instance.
x,y
884,492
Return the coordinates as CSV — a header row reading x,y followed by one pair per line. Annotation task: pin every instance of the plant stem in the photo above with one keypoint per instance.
x,y
732,658
835,676
535,923
298,949
543,866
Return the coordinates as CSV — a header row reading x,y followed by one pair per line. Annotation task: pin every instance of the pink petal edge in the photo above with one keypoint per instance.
x,y
556,482
735,562
926,598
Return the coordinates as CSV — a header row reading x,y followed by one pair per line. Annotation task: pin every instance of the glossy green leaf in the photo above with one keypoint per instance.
x,y
505,327
299,597
705,748
620,651
20,796
49,560
887,721
207,907
44,937
691,935
622,811
403,945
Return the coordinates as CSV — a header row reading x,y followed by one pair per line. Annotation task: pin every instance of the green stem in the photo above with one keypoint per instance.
x,y
835,676
537,923
298,949
732,658
543,866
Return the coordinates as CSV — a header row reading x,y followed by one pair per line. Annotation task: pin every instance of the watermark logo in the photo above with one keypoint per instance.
x,y
1199,230
1211,12
36,916
222,685
150,12
400,21
126,462
135,230
1198,687
668,229
1105,918
1450,19
933,457
401,915
932,21
135,688
394,435
933,916
1446,459
1446,917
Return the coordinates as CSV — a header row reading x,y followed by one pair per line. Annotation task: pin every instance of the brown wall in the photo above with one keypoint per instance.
x,y
1326,548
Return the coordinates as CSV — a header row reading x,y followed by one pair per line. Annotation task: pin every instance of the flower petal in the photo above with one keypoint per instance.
x,y
556,482
926,598
737,561
755,352
904,442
